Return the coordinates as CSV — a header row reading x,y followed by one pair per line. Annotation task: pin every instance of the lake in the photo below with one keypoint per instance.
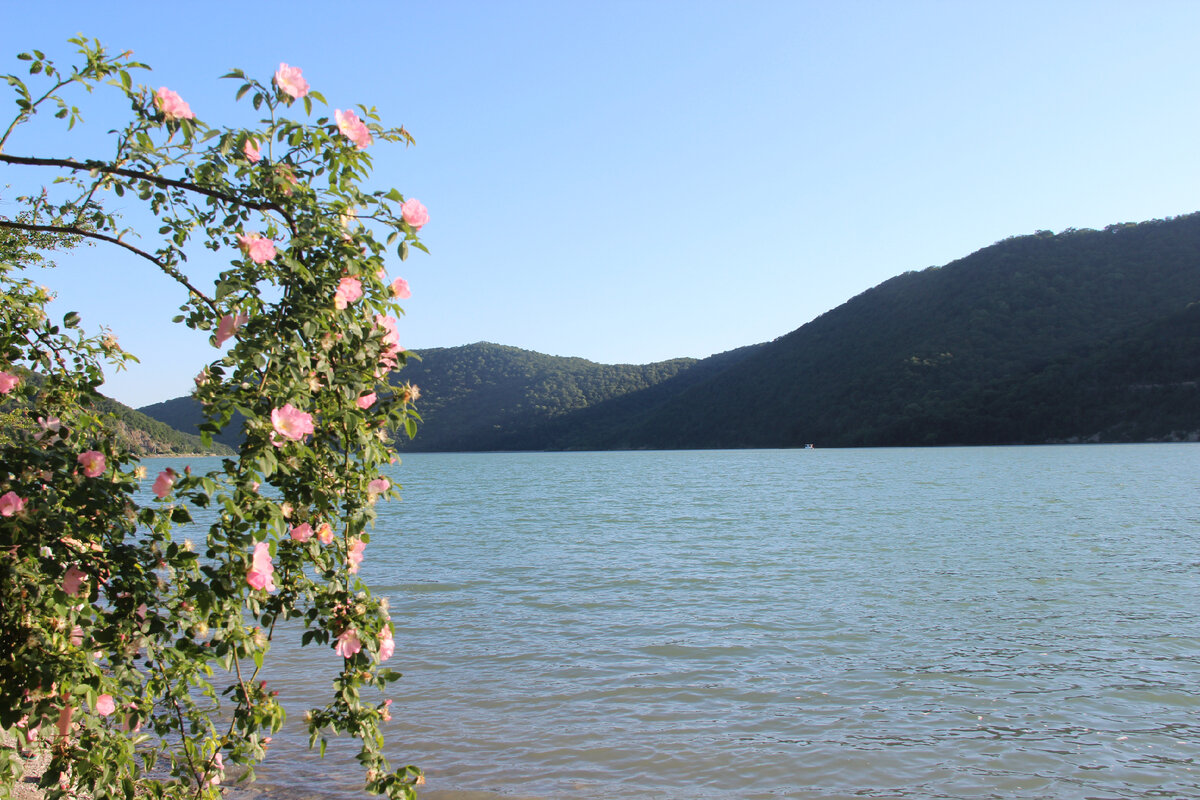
x,y
894,623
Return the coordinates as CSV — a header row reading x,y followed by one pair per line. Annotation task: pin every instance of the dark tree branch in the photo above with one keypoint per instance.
x,y
101,166
77,231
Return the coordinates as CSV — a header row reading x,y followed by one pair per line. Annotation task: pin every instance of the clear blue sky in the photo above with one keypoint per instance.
x,y
635,181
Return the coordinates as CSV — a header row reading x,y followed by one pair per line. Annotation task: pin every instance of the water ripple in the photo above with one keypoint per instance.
x,y
944,623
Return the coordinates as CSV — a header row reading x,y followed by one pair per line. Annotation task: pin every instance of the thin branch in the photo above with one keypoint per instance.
x,y
162,670
29,112
100,166
77,231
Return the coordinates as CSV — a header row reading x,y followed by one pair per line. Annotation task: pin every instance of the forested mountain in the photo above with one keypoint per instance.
x,y
183,413
147,436
486,396
1081,336
996,347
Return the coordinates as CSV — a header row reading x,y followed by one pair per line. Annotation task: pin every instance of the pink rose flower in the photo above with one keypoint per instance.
x,y
349,290
291,423
414,213
291,82
400,289
172,105
218,766
302,532
391,341
386,713
64,719
105,705
366,401
77,636
164,482
354,553
227,327
348,643
250,148
325,533
387,645
379,486
8,382
11,504
261,569
49,429
353,128
260,249
73,581
93,463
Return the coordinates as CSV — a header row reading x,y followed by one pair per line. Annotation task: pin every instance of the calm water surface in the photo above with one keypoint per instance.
x,y
909,623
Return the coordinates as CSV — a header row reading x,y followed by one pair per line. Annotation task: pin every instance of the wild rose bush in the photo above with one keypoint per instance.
x,y
130,652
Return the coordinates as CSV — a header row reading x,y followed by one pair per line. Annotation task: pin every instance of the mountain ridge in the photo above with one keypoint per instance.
x,y
991,348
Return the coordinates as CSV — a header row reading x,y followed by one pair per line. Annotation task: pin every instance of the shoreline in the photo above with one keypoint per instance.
x,y
26,787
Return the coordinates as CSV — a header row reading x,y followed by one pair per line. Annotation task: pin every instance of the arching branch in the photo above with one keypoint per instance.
x,y
77,231
158,180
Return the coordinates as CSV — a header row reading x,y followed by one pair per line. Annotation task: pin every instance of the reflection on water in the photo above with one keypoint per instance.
x,y
942,623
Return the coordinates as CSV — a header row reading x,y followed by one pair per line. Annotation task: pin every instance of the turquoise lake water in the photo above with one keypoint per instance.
x,y
897,623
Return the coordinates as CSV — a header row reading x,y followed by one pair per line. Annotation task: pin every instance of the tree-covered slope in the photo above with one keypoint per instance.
x,y
487,396
900,363
137,432
147,436
183,413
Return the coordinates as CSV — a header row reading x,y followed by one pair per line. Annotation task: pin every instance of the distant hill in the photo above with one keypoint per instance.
x,y
485,396
183,413
147,436
488,396
1084,335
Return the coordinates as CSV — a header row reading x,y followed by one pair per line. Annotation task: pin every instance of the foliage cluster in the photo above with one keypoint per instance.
x,y
131,653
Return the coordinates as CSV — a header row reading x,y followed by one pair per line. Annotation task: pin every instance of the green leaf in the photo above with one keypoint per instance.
x,y
403,250
242,91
